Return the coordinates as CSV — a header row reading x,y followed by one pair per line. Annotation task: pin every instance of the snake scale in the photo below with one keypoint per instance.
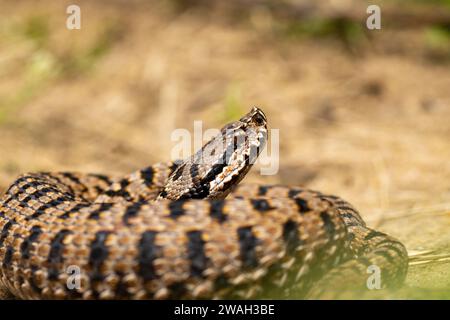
x,y
187,229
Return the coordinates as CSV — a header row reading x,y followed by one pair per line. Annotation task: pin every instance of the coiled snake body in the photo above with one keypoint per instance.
x,y
167,231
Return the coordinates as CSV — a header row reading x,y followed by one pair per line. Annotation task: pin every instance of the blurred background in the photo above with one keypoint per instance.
x,y
364,114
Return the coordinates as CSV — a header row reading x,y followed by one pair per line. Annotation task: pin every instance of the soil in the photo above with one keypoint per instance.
x,y
368,121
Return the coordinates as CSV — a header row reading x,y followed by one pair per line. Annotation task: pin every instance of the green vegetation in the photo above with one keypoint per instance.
x,y
42,65
437,40
39,66
39,70
233,107
83,61
433,2
36,28
347,31
438,37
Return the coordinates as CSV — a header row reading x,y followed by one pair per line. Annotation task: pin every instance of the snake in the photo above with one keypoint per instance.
x,y
188,229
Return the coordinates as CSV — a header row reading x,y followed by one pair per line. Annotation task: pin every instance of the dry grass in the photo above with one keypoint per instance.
x,y
370,123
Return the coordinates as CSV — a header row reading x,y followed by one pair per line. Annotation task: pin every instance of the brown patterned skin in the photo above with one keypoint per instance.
x,y
260,242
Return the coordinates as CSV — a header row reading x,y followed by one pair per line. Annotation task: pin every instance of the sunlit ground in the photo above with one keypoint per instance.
x,y
362,114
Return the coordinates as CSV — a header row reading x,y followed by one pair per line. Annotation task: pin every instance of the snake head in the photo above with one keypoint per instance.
x,y
213,171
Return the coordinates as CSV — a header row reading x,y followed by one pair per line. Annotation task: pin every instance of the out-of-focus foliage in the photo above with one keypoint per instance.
x,y
362,113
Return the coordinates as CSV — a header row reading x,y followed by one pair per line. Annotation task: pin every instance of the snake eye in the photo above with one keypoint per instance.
x,y
259,119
